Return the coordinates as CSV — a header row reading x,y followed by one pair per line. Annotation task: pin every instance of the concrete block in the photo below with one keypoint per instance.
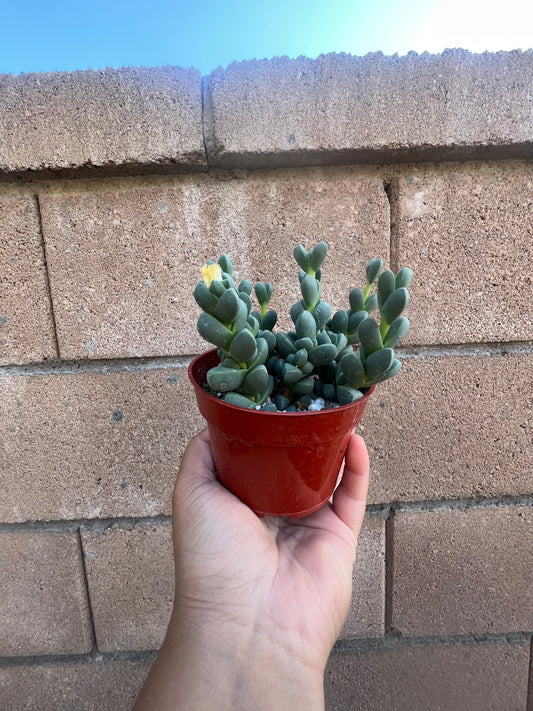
x,y
105,118
130,573
454,677
124,256
26,324
340,108
102,685
460,572
466,233
367,610
43,605
452,427
93,444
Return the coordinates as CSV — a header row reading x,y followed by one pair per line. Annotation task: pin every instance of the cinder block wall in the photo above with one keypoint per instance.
x,y
115,186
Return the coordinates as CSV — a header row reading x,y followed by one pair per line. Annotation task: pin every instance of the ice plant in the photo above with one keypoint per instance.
x,y
328,359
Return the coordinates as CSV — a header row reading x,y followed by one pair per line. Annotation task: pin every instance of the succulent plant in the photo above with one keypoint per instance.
x,y
327,358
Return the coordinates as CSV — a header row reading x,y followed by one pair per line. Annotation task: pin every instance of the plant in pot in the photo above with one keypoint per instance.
x,y
280,407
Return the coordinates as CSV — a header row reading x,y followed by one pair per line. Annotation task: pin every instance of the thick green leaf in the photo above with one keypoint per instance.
x,y
323,338
346,395
227,307
355,321
213,331
300,254
217,288
322,355
204,298
344,351
269,320
353,369
386,285
247,301
371,303
373,270
262,352
253,323
245,287
305,326
256,380
290,374
339,322
230,363
404,277
329,391
225,264
270,338
310,290
307,368
281,402
395,304
322,314
300,357
242,314
306,343
243,347
378,363
318,255
357,299
240,400
369,335
340,342
303,387
261,292
340,378
395,367
222,379
296,310
396,332
284,345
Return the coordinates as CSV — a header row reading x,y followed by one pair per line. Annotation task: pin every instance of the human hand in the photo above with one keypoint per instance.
x,y
261,601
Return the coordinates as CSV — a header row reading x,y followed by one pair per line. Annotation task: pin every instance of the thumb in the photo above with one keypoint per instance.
x,y
349,499
197,466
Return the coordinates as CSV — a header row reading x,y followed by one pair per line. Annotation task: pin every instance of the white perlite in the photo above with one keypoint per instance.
x,y
318,404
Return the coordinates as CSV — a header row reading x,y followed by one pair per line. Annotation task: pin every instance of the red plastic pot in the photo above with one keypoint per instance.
x,y
279,464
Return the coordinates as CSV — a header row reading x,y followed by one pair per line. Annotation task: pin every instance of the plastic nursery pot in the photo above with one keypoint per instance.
x,y
279,464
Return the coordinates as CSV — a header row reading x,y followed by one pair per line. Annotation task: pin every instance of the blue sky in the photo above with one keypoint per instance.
x,y
50,35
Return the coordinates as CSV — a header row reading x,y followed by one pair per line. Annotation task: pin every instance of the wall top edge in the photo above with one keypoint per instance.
x,y
369,56
334,109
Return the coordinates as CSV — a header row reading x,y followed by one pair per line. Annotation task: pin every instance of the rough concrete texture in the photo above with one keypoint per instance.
x,y
37,570
124,257
26,325
467,234
340,108
460,572
92,444
131,585
367,610
65,686
452,427
481,677
108,117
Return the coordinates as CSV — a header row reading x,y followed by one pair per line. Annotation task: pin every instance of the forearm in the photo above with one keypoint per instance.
x,y
219,668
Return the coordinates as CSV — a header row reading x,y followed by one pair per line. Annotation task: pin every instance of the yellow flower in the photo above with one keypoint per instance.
x,y
211,272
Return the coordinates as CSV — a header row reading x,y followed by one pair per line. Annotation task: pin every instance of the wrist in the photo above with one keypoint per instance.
x,y
221,664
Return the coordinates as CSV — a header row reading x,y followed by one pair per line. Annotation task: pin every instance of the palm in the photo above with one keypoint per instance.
x,y
290,574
